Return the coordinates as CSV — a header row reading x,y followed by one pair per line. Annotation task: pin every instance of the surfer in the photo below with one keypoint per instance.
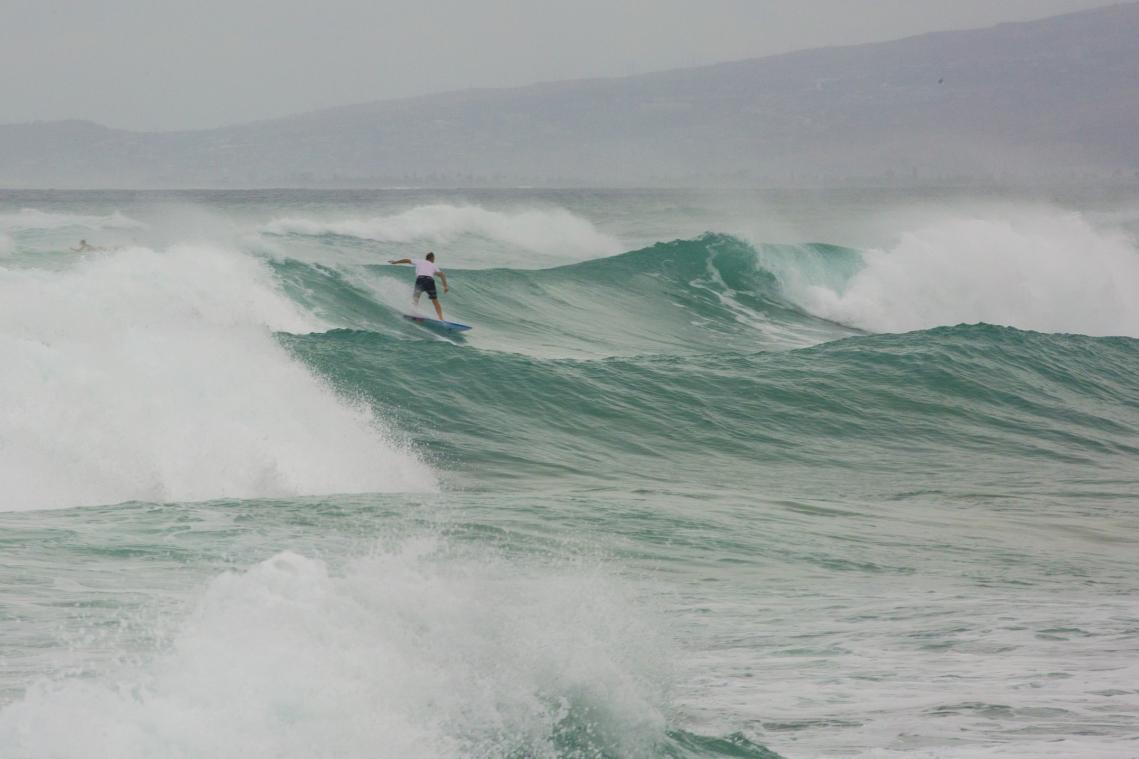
x,y
85,247
425,273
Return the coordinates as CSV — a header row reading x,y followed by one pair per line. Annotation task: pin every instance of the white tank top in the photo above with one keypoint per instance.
x,y
424,268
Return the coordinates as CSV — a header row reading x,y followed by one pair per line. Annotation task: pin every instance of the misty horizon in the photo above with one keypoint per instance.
x,y
1040,102
91,80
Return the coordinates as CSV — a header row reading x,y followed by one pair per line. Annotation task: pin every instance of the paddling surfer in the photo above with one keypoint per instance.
x,y
425,273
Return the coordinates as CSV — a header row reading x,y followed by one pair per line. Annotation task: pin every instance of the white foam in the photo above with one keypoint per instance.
x,y
6,245
145,375
31,218
548,232
410,653
1049,271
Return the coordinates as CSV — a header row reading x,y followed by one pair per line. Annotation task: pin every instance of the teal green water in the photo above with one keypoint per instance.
x,y
693,485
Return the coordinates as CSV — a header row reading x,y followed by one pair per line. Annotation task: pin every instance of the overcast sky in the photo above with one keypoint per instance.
x,y
180,64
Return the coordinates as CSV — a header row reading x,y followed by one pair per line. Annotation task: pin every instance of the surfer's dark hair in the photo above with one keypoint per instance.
x,y
431,256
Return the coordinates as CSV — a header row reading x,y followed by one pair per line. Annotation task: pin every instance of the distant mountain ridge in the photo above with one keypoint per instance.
x,y
1020,101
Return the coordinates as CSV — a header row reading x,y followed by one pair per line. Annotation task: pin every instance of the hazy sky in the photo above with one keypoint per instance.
x,y
176,64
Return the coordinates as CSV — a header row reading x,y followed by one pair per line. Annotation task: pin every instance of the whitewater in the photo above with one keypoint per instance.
x,y
721,473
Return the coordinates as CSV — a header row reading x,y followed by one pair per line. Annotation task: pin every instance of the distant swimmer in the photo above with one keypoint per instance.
x,y
425,273
84,247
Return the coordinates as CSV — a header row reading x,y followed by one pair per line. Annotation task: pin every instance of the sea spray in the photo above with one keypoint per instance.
x,y
531,237
1046,271
154,375
35,219
420,650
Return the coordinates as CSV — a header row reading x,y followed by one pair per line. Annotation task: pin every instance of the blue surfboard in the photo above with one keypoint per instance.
x,y
427,322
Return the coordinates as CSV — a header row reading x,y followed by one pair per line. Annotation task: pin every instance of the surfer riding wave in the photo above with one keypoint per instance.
x,y
425,273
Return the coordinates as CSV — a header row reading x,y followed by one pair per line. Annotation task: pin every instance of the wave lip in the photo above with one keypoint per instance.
x,y
155,376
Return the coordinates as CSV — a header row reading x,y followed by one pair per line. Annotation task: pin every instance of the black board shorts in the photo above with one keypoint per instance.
x,y
425,284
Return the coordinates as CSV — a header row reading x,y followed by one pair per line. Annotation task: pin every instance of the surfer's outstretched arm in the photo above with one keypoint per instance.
x,y
401,261
443,277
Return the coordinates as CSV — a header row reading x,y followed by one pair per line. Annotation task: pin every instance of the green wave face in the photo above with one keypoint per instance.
x,y
680,297
688,362
927,405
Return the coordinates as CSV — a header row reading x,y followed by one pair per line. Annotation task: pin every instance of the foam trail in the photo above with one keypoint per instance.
x,y
31,218
414,652
145,375
1050,272
551,233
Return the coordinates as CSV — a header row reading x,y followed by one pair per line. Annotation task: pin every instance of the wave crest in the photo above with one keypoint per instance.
x,y
549,232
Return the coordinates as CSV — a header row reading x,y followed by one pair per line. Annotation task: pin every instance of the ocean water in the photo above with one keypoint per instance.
x,y
716,474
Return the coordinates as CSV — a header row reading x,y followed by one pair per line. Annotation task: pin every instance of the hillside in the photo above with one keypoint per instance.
x,y
1039,100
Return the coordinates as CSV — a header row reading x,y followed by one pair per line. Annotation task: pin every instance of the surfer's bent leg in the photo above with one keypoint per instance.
x,y
420,286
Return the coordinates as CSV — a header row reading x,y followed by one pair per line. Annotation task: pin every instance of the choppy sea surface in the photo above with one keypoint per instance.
x,y
715,474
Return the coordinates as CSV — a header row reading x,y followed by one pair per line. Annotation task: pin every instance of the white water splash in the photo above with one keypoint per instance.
x,y
146,375
412,653
1037,270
